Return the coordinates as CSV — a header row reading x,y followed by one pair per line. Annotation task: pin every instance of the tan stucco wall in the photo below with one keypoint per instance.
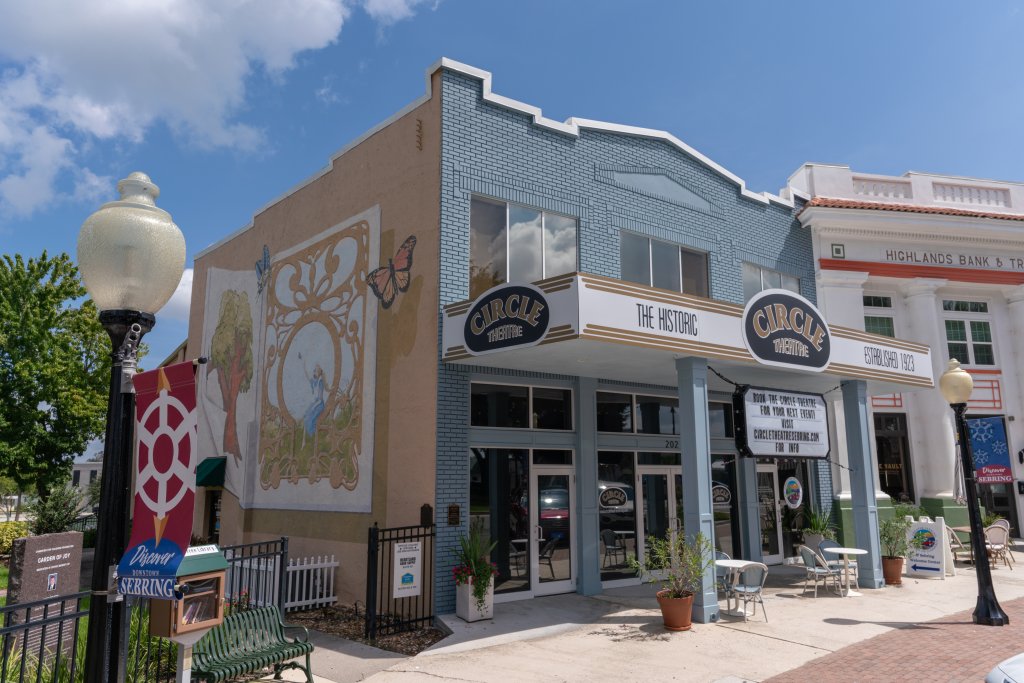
x,y
397,169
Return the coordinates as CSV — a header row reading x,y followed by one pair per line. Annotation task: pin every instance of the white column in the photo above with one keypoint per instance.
x,y
932,446
1013,376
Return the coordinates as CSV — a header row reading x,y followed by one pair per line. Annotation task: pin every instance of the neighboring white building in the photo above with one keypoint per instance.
x,y
938,260
83,473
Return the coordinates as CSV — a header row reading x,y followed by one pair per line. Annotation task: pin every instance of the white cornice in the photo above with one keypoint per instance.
x,y
571,126
914,227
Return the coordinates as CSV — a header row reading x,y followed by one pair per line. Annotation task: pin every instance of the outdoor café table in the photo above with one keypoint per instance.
x,y
735,567
846,552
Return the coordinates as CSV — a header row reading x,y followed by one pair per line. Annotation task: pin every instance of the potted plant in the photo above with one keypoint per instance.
x,y
679,565
896,543
818,527
474,575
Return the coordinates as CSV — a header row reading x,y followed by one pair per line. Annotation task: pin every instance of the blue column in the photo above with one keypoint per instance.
x,y
587,518
695,446
749,509
862,483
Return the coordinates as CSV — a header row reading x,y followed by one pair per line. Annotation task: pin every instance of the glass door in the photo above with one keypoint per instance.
x,y
770,513
661,502
553,562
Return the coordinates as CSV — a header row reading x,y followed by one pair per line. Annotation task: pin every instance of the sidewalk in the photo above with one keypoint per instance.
x,y
618,637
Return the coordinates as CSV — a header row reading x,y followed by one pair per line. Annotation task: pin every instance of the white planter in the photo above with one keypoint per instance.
x,y
465,603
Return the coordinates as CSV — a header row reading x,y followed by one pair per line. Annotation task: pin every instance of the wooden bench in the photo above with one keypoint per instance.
x,y
246,643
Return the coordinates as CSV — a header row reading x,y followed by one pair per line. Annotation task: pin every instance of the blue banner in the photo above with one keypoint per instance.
x,y
991,451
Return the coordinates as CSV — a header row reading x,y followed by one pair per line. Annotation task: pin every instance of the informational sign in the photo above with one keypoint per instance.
x,y
991,452
930,559
793,493
780,424
165,481
784,329
44,566
408,569
505,317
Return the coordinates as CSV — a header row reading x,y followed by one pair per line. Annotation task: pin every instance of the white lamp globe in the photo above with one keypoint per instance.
x,y
956,383
130,253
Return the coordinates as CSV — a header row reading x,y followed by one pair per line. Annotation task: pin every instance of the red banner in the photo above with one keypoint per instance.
x,y
165,480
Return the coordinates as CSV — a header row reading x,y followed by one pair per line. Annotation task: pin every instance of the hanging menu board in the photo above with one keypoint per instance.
x,y
780,424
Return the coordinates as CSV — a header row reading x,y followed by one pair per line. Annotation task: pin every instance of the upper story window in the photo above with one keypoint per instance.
x,y
968,332
509,242
518,407
637,414
662,264
878,315
757,279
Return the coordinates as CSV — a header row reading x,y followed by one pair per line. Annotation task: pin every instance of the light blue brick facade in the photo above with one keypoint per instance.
x,y
496,152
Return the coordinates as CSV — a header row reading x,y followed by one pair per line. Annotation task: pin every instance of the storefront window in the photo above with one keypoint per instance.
x,y
614,412
499,490
893,450
617,509
552,408
720,420
724,504
499,405
552,457
657,415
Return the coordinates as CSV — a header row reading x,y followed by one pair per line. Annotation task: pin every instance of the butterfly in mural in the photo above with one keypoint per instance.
x,y
387,281
262,271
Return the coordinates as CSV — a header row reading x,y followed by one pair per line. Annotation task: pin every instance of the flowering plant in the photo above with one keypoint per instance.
x,y
474,566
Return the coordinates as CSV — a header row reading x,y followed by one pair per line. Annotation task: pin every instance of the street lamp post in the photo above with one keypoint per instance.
x,y
956,386
131,256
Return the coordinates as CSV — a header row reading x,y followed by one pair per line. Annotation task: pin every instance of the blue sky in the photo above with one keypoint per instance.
x,y
228,104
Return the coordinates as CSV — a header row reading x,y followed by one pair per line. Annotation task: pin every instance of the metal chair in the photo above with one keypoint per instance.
x,y
997,542
1003,522
750,585
818,569
612,547
722,573
516,558
547,552
957,547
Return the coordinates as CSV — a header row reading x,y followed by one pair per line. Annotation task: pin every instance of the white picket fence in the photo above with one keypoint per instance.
x,y
310,582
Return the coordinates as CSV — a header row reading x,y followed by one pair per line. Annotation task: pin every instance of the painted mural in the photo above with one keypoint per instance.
x,y
317,367
228,382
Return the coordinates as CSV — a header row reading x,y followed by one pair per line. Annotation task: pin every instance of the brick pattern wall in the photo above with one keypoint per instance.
x,y
496,152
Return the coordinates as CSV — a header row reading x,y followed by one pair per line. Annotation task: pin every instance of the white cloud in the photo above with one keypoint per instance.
x,y
74,73
391,11
177,307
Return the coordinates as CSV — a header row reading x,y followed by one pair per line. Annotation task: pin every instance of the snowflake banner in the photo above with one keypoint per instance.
x,y
165,481
991,452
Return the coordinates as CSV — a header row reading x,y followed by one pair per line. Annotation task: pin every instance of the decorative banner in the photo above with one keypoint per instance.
x,y
407,563
507,316
784,329
165,481
780,424
793,493
991,452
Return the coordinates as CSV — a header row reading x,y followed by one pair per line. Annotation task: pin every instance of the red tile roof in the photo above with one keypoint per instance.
x,y
833,203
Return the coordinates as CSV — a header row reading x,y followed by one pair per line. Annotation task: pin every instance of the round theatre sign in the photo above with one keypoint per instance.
x,y
784,329
506,317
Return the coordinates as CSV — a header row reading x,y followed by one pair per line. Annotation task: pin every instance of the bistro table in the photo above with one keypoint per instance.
x,y
735,568
846,552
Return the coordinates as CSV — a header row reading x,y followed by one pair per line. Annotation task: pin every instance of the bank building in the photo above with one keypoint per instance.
x,y
578,335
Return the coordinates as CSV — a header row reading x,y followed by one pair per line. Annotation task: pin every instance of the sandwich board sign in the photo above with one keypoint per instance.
x,y
932,558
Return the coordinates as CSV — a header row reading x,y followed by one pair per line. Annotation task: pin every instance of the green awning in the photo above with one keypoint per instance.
x,y
210,472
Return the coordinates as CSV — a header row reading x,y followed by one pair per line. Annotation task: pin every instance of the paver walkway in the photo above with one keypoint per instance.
x,y
952,648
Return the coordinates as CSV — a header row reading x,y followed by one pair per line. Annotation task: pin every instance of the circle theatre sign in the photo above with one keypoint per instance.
x,y
784,329
506,317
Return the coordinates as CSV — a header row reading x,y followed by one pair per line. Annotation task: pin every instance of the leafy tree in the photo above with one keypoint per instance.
x,y
56,512
54,370
231,357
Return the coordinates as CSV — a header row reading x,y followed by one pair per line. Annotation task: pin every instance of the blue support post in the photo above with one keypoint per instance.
x,y
587,514
862,483
695,447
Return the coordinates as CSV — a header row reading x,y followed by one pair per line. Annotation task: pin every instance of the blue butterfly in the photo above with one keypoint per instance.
x,y
263,270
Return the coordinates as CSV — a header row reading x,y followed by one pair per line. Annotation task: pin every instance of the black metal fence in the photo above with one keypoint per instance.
x,y
44,641
387,613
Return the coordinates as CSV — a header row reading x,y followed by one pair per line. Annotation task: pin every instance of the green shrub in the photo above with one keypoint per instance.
x,y
10,531
56,512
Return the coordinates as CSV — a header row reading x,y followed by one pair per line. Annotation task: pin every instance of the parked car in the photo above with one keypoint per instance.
x,y
1008,671
554,513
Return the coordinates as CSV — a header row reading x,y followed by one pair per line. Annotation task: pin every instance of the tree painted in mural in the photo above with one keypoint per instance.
x,y
231,358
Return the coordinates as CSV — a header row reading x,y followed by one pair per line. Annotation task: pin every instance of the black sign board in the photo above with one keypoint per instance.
x,y
784,329
505,317
772,423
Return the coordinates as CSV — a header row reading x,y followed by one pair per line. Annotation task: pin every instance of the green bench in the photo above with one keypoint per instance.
x,y
246,643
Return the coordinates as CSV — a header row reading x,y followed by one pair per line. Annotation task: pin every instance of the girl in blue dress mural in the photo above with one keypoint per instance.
x,y
312,414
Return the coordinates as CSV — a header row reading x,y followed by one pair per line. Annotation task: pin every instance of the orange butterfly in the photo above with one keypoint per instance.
x,y
387,281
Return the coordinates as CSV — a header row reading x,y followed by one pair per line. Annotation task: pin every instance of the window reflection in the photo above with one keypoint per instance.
x,y
559,245
499,489
525,260
614,412
486,245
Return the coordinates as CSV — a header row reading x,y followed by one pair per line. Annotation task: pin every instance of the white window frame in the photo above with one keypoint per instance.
x,y
881,311
967,317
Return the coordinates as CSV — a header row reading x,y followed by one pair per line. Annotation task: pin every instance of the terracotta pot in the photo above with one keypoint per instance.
x,y
465,603
677,613
892,570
